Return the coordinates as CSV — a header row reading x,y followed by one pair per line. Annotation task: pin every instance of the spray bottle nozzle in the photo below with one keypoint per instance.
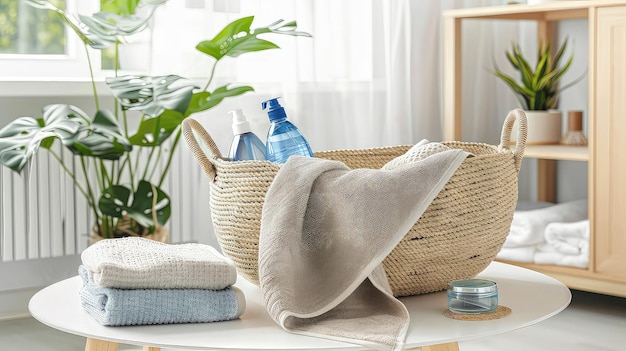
x,y
275,111
272,102
240,122
237,116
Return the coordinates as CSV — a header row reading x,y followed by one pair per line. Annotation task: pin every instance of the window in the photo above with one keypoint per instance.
x,y
27,30
36,43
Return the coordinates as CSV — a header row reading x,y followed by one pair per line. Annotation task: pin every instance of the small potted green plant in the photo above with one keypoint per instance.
x,y
120,174
538,88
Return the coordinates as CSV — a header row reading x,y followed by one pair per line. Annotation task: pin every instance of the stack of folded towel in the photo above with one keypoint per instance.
x,y
556,234
137,281
567,244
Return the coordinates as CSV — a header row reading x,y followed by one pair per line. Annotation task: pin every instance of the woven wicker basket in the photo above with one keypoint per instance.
x,y
456,238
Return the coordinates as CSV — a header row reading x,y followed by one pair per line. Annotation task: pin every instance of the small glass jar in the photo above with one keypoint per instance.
x,y
472,296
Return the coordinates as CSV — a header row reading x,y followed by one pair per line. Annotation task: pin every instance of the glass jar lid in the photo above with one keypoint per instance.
x,y
473,286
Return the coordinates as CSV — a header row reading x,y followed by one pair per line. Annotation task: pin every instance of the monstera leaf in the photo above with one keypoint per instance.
x,y
103,138
23,137
152,95
237,38
108,25
104,28
154,131
117,201
205,100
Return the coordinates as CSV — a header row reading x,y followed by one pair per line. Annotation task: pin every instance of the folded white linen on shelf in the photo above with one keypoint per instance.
x,y
568,238
119,307
523,253
567,244
528,227
139,263
547,255
326,229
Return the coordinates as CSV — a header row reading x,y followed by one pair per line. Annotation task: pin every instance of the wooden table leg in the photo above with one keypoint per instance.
x,y
100,345
452,346
150,348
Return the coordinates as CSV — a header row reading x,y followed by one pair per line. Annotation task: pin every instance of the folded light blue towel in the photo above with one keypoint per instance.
x,y
118,307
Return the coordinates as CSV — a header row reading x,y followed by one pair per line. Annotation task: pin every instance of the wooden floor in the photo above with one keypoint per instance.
x,y
591,323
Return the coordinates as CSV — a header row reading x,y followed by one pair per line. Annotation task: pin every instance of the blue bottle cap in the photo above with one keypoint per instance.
x,y
275,111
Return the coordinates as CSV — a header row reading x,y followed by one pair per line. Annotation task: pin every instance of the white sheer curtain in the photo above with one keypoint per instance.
x,y
370,75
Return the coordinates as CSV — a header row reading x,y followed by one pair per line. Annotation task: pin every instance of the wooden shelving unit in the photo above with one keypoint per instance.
x,y
558,152
606,153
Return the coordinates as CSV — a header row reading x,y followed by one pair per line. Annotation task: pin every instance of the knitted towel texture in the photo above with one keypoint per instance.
x,y
325,231
139,263
418,152
120,307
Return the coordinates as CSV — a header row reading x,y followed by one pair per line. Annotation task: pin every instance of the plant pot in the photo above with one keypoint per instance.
x,y
544,127
160,233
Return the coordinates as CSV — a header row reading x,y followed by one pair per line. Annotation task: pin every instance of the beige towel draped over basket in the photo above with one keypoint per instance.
x,y
456,238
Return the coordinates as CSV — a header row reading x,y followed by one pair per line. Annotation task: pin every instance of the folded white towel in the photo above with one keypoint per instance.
x,y
528,227
567,244
546,254
568,238
139,263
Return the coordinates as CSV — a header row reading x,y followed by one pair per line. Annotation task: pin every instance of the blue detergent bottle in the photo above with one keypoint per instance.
x,y
246,145
283,138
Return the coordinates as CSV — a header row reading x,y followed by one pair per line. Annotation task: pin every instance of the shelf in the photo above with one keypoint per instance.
x,y
577,278
557,152
552,11
606,190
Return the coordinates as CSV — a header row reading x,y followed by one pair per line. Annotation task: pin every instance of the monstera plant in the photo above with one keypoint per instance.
x,y
120,176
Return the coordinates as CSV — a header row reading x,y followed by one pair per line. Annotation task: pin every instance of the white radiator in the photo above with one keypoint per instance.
x,y
43,215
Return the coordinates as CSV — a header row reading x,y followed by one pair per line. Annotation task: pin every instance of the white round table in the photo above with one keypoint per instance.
x,y
532,297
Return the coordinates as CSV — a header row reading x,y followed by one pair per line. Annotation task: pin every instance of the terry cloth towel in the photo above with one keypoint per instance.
x,y
118,307
528,227
547,255
140,263
325,230
418,152
568,238
567,244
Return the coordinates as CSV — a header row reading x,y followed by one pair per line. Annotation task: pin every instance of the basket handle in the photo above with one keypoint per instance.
x,y
522,134
207,163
